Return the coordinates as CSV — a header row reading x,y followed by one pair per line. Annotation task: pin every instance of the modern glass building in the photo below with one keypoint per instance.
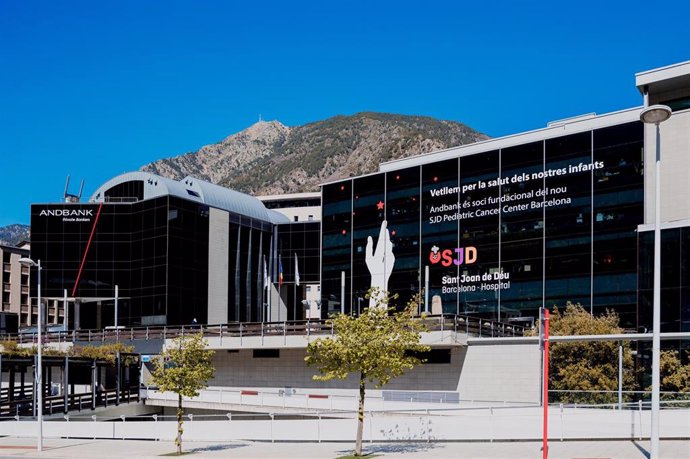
x,y
495,229
500,228
177,251
501,231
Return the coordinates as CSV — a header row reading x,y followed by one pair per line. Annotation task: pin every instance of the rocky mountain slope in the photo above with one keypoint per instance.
x,y
271,158
13,234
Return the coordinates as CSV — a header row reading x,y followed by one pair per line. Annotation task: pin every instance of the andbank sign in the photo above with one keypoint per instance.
x,y
68,214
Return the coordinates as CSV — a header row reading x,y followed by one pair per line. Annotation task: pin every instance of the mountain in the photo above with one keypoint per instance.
x,y
13,234
271,158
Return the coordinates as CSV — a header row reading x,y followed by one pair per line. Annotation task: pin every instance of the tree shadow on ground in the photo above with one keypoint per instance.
x,y
398,448
219,447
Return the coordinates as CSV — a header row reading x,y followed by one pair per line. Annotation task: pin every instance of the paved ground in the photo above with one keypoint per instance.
x,y
103,449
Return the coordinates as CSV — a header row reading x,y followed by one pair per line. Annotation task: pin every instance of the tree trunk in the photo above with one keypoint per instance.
x,y
178,440
360,415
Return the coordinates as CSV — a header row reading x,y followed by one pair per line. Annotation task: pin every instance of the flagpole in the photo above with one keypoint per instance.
x,y
296,285
268,300
280,286
264,293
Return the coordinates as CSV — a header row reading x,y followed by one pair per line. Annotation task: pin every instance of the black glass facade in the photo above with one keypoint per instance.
x,y
298,254
501,232
249,245
675,280
156,251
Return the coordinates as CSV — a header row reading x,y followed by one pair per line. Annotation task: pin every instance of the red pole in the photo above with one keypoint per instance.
x,y
545,441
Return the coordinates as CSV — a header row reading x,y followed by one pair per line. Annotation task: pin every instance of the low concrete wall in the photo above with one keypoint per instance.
x,y
241,370
501,372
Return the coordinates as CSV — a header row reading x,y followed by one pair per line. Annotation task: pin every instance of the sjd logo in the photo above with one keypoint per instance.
x,y
463,255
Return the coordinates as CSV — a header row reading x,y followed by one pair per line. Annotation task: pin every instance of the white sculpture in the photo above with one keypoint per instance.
x,y
380,263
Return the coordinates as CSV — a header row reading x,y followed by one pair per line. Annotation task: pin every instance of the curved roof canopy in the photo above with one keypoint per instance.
x,y
193,189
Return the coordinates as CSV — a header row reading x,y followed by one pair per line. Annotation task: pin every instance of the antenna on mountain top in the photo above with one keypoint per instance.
x,y
72,197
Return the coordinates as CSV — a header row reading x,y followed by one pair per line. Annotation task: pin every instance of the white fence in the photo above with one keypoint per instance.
x,y
509,423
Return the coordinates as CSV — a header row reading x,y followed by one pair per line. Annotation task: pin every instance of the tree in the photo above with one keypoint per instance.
x,y
587,365
378,345
184,367
675,377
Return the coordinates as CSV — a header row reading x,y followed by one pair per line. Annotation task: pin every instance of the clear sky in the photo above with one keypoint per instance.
x,y
94,89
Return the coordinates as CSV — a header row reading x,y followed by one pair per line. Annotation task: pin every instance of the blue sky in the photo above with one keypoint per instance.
x,y
93,89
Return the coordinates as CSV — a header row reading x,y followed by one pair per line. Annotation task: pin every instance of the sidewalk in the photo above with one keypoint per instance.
x,y
104,449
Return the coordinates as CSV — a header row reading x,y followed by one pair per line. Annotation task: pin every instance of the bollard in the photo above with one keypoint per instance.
x,y
318,428
561,407
272,415
639,405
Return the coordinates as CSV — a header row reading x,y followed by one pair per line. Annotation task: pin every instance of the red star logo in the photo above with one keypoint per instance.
x,y
379,205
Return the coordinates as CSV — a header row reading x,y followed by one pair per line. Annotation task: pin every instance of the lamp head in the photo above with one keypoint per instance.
x,y
27,262
655,114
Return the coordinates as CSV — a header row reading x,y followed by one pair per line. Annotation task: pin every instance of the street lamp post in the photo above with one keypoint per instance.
x,y
656,114
39,365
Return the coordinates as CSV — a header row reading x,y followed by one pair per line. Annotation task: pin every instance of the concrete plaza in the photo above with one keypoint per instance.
x,y
103,449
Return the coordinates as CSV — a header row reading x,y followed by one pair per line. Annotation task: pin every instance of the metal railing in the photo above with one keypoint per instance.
x,y
469,325
24,406
605,397
486,423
